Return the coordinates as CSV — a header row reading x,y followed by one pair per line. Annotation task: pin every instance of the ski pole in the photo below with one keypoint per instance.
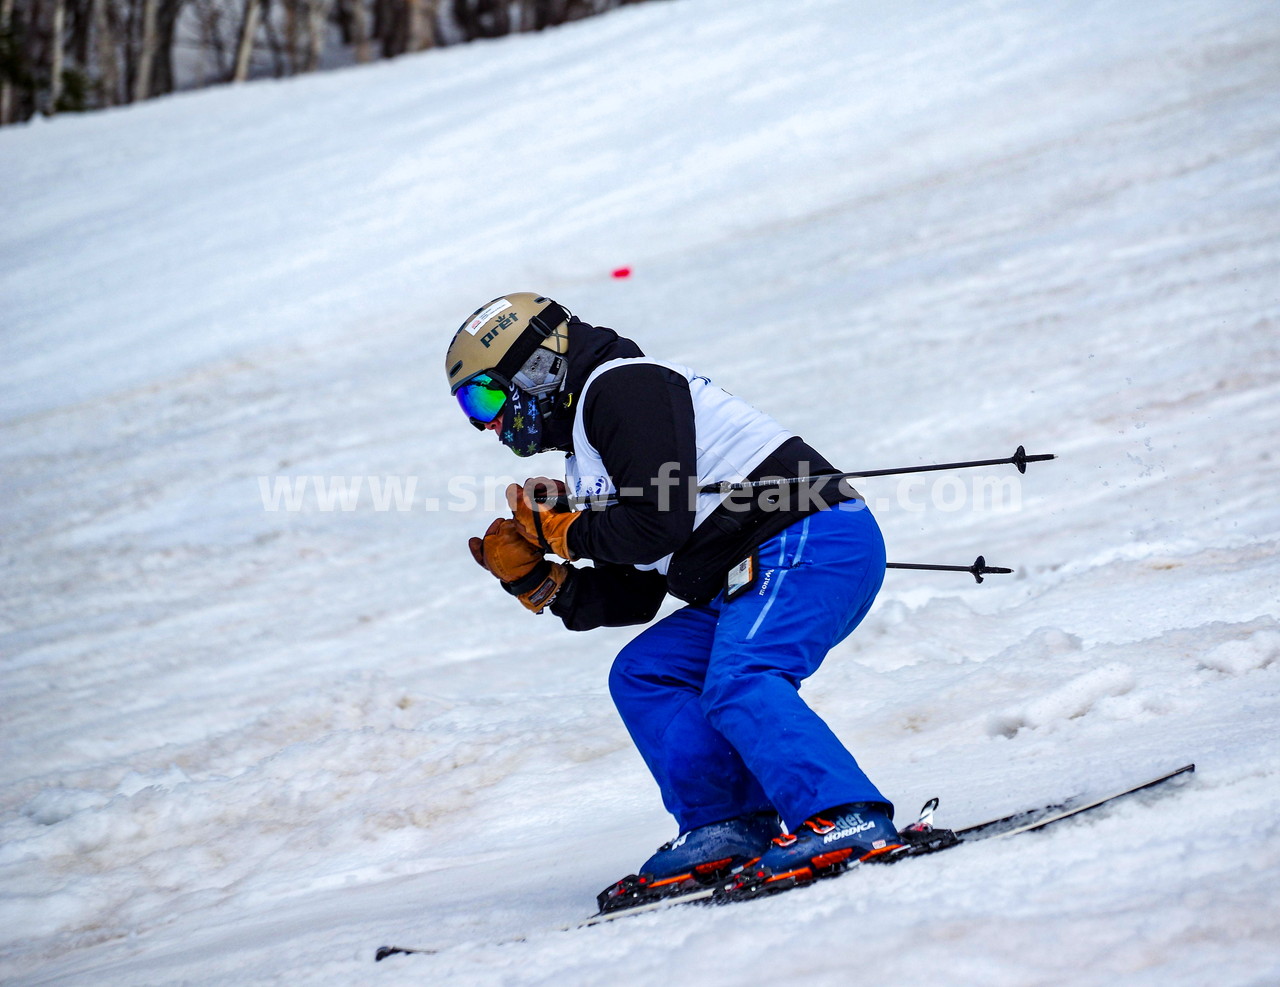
x,y
1018,459
977,570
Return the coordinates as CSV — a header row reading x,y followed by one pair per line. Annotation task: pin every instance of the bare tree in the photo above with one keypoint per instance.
x,y
541,14
210,16
108,68
315,16
162,72
423,32
294,21
6,39
56,55
146,51
244,49
275,44
391,26
536,15
483,18
359,20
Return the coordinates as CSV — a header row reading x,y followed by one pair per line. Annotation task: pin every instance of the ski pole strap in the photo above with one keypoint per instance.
x,y
537,525
531,580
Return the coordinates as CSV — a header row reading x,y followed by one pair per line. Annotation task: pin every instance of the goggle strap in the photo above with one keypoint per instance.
x,y
540,327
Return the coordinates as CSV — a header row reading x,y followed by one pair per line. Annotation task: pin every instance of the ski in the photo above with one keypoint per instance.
x,y
1027,821
922,838
701,894
919,839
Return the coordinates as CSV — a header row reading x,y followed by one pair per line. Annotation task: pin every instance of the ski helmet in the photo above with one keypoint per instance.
x,y
508,358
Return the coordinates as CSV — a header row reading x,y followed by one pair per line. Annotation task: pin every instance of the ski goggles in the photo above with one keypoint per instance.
x,y
482,397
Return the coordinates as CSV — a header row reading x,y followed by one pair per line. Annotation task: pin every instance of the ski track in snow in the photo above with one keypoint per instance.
x,y
251,746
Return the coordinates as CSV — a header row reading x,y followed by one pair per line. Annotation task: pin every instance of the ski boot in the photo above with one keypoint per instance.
x,y
822,846
694,860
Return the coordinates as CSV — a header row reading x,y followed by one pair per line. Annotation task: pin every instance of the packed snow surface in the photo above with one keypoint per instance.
x,y
249,745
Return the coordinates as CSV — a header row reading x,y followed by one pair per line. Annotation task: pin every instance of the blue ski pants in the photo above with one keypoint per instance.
x,y
710,694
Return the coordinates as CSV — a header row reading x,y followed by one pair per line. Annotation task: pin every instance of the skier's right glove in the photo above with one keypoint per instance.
x,y
518,565
542,524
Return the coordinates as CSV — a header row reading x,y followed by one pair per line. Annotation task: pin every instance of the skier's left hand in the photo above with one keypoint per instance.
x,y
519,565
505,552
540,523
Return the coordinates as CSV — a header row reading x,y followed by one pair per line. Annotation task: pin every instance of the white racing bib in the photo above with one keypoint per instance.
x,y
732,438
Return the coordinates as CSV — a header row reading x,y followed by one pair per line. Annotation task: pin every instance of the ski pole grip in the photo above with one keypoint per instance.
x,y
559,502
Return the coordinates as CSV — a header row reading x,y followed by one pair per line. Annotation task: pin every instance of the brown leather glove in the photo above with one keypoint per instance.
x,y
504,551
542,524
538,590
519,566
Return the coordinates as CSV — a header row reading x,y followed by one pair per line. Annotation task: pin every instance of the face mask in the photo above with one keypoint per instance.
x,y
522,425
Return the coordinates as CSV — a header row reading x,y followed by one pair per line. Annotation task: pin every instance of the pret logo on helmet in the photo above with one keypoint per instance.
x,y
504,322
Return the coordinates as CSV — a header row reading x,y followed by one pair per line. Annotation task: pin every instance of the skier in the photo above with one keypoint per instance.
x,y
772,579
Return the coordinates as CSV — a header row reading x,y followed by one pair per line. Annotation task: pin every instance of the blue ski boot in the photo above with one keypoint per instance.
x,y
821,846
695,860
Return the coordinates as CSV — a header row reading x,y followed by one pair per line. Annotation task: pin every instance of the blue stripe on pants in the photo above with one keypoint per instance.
x,y
710,694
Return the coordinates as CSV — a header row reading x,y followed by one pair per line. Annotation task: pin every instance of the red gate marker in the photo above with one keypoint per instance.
x,y
622,272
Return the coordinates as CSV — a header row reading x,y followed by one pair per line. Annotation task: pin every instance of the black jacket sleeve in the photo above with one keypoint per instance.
x,y
608,596
640,420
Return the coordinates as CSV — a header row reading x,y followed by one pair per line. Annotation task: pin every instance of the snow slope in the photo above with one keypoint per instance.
x,y
249,746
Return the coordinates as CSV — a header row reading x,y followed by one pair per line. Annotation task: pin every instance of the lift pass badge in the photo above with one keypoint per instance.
x,y
740,578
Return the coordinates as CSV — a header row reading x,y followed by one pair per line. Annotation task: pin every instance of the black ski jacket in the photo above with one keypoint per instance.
x,y
639,419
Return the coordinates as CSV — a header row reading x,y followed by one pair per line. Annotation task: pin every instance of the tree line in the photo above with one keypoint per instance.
x,y
61,56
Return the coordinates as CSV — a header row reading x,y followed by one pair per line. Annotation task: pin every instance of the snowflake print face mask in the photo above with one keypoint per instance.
x,y
522,424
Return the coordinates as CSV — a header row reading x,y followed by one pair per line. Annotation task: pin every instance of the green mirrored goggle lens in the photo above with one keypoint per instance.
x,y
482,399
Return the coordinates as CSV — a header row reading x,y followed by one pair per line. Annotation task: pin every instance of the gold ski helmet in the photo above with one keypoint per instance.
x,y
506,359
503,334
